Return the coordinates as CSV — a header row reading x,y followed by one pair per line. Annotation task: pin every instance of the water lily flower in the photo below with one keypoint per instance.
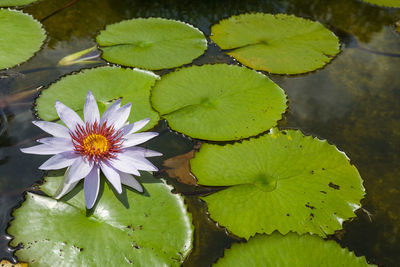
x,y
107,144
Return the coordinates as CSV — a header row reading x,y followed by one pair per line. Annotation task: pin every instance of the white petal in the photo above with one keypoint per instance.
x,y
144,152
120,116
136,139
124,166
133,159
112,176
130,181
45,149
57,142
79,169
64,188
59,161
68,116
90,110
134,127
52,128
91,187
109,113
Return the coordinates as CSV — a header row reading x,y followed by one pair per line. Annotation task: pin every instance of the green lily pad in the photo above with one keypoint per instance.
x,y
107,84
386,3
151,43
219,102
281,181
20,37
150,229
283,44
289,250
15,2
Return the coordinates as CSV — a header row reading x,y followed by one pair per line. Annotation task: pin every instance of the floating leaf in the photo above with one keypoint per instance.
x,y
15,2
289,250
281,181
283,44
151,43
21,36
386,3
6,263
107,84
150,229
219,102
178,167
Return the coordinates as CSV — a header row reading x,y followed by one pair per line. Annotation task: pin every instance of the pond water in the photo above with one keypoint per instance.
x,y
354,103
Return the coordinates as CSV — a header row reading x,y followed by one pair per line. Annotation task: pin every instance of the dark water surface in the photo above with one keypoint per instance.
x,y
354,103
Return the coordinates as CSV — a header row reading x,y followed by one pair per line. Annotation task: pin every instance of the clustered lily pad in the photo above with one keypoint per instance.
x,y
151,43
15,2
281,181
282,44
386,3
289,250
219,102
21,36
150,229
107,85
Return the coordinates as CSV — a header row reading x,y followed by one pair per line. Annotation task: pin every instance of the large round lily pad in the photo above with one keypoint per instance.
x,y
288,251
283,44
20,37
107,84
386,3
150,229
219,102
151,43
281,181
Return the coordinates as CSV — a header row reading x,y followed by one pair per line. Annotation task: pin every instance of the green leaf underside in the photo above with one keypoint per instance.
x,y
386,3
282,44
155,230
15,2
219,102
151,43
20,37
281,181
107,84
289,250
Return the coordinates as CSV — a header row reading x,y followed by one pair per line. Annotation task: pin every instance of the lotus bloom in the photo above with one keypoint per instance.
x,y
107,144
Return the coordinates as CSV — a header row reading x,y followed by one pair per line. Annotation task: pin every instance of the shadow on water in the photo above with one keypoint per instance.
x,y
354,102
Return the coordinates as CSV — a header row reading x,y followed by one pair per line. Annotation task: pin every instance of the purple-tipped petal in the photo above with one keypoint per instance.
x,y
64,188
136,139
144,152
90,110
91,186
133,159
120,116
109,113
45,149
52,128
130,181
134,127
57,142
112,176
79,169
59,161
124,166
68,116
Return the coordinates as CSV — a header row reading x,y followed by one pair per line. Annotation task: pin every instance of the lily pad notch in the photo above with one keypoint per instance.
x,y
281,44
151,43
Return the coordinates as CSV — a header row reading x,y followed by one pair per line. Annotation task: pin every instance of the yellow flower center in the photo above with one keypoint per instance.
x,y
95,144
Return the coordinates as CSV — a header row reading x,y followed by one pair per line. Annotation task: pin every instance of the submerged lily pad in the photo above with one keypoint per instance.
x,y
151,43
20,37
150,229
283,44
288,251
281,181
107,84
219,102
386,3
15,2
